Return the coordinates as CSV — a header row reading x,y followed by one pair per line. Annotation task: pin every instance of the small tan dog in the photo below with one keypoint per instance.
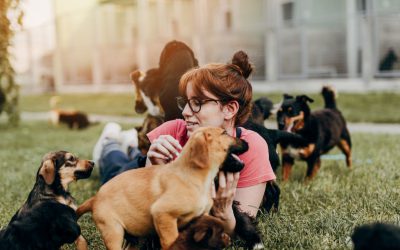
x,y
163,198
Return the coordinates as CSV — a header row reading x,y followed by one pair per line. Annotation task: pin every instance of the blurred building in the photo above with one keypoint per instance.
x,y
95,44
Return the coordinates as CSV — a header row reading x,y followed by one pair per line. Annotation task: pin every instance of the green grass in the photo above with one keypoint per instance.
x,y
107,104
373,107
320,215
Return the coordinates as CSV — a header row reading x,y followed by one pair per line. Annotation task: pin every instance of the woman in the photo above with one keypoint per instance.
x,y
218,95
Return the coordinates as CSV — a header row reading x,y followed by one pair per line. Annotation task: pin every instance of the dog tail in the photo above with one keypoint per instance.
x,y
54,101
330,95
85,207
135,76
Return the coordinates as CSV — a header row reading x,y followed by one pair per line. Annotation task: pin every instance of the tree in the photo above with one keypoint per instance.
x,y
10,18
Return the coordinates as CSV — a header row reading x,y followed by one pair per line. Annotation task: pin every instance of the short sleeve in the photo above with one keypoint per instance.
x,y
175,128
257,166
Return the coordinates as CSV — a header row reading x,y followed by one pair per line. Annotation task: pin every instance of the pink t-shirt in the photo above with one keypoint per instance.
x,y
257,166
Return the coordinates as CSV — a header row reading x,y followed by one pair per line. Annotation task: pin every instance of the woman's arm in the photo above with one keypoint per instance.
x,y
163,150
250,198
223,200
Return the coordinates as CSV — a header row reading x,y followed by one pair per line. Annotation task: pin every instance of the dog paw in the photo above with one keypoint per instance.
x,y
259,246
294,152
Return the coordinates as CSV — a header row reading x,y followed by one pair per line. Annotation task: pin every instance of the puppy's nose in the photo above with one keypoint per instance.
x,y
91,163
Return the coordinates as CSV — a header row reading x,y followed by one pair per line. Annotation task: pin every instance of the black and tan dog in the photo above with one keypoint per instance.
x,y
174,193
322,129
47,220
382,236
262,109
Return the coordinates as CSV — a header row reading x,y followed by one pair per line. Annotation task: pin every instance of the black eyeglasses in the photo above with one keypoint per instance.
x,y
194,103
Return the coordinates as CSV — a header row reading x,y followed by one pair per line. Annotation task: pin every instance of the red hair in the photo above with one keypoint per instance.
x,y
228,82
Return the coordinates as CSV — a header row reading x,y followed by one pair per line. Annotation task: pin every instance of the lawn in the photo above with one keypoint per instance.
x,y
380,107
320,215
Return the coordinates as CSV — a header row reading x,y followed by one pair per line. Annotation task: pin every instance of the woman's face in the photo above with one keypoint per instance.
x,y
210,114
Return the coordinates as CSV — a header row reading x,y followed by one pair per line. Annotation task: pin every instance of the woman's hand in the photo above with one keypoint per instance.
x,y
223,199
163,150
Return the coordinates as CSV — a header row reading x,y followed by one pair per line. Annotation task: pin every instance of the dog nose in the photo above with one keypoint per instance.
x,y
91,163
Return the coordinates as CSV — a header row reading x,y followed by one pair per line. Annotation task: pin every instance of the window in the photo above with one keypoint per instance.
x,y
287,11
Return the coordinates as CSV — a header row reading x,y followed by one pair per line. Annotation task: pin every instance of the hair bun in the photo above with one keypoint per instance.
x,y
241,60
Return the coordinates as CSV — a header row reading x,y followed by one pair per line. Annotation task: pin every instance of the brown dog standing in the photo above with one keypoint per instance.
x,y
163,198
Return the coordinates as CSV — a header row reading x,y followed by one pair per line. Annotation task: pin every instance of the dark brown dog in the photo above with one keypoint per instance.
x,y
205,232
72,118
164,198
322,130
47,220
158,89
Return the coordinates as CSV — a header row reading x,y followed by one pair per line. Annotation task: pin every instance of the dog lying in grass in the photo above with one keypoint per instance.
x,y
72,118
47,219
174,193
322,130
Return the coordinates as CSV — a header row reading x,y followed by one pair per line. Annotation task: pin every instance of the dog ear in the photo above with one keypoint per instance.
x,y
201,233
47,171
135,75
304,98
199,150
287,96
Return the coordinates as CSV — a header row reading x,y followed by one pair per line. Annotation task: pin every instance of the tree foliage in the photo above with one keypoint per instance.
x,y
10,18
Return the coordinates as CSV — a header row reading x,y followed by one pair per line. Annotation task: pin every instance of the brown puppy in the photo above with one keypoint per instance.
x,y
72,118
205,232
162,198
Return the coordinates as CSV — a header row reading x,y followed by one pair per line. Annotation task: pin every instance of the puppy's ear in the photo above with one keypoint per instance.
x,y
304,98
287,96
199,150
135,75
200,234
47,171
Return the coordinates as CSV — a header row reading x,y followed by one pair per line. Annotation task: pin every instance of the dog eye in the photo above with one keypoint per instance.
x,y
71,158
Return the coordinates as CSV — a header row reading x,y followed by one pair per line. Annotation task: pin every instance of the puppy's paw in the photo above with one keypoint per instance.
x,y
294,152
259,246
